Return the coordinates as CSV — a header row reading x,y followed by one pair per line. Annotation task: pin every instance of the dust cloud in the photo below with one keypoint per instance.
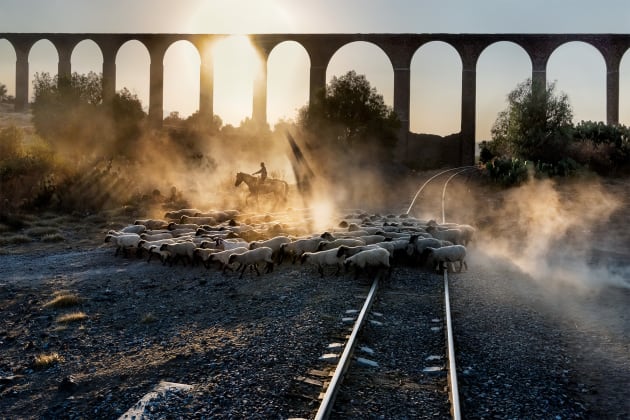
x,y
551,231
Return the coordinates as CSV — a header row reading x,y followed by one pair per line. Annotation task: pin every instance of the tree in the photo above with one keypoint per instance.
x,y
537,125
70,113
350,115
3,92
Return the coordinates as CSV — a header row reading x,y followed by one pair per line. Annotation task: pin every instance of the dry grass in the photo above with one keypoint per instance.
x,y
72,317
148,318
40,231
63,300
15,239
44,361
55,237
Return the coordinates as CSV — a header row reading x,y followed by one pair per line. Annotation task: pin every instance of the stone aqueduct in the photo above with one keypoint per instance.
x,y
399,48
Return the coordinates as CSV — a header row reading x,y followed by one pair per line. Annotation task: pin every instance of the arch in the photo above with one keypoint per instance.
x,y
500,68
624,89
132,70
86,57
236,64
43,57
182,64
7,66
580,71
368,59
436,89
287,81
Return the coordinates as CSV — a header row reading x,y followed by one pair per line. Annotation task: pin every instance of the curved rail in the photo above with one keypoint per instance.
x,y
444,189
452,372
346,357
431,179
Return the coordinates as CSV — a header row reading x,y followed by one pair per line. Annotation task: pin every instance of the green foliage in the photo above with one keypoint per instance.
x,y
349,115
508,172
536,124
71,114
3,92
603,148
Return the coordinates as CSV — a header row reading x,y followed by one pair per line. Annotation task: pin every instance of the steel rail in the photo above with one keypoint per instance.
x,y
452,370
431,179
346,357
444,189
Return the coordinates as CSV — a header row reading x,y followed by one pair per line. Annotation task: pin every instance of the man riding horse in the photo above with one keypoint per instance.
x,y
263,173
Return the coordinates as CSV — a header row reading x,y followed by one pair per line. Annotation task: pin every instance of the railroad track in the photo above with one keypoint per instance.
x,y
380,370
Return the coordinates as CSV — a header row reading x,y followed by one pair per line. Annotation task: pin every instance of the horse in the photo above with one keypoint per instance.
x,y
278,187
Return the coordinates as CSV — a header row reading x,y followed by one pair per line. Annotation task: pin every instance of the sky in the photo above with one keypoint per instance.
x,y
578,69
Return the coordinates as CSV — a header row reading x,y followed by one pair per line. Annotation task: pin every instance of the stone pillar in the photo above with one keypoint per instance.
x,y
156,86
21,77
64,67
539,72
317,79
469,99
206,84
259,109
402,83
613,61
109,72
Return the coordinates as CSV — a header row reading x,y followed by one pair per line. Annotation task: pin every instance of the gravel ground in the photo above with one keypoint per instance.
x,y
524,350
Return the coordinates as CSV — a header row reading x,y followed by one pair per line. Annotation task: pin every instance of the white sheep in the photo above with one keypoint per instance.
x,y
323,258
180,250
417,245
146,245
152,224
197,220
298,247
273,243
203,255
123,241
325,245
178,226
376,258
165,256
348,251
452,235
372,239
448,255
177,214
252,257
156,236
223,257
138,229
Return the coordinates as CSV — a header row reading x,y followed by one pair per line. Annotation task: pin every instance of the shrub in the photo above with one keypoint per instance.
x,y
63,300
508,171
44,361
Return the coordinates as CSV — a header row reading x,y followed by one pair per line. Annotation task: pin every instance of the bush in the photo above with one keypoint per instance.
x,y
508,172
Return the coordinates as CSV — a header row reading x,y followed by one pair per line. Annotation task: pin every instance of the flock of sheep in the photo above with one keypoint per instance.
x,y
235,241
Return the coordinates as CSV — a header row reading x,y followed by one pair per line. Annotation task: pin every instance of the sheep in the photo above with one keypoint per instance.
x,y
377,258
325,245
197,220
452,235
180,250
156,236
252,257
467,233
225,244
273,243
223,256
372,239
323,258
178,233
203,255
165,256
298,247
152,224
177,226
447,255
145,245
417,245
123,241
177,214
138,229
348,251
